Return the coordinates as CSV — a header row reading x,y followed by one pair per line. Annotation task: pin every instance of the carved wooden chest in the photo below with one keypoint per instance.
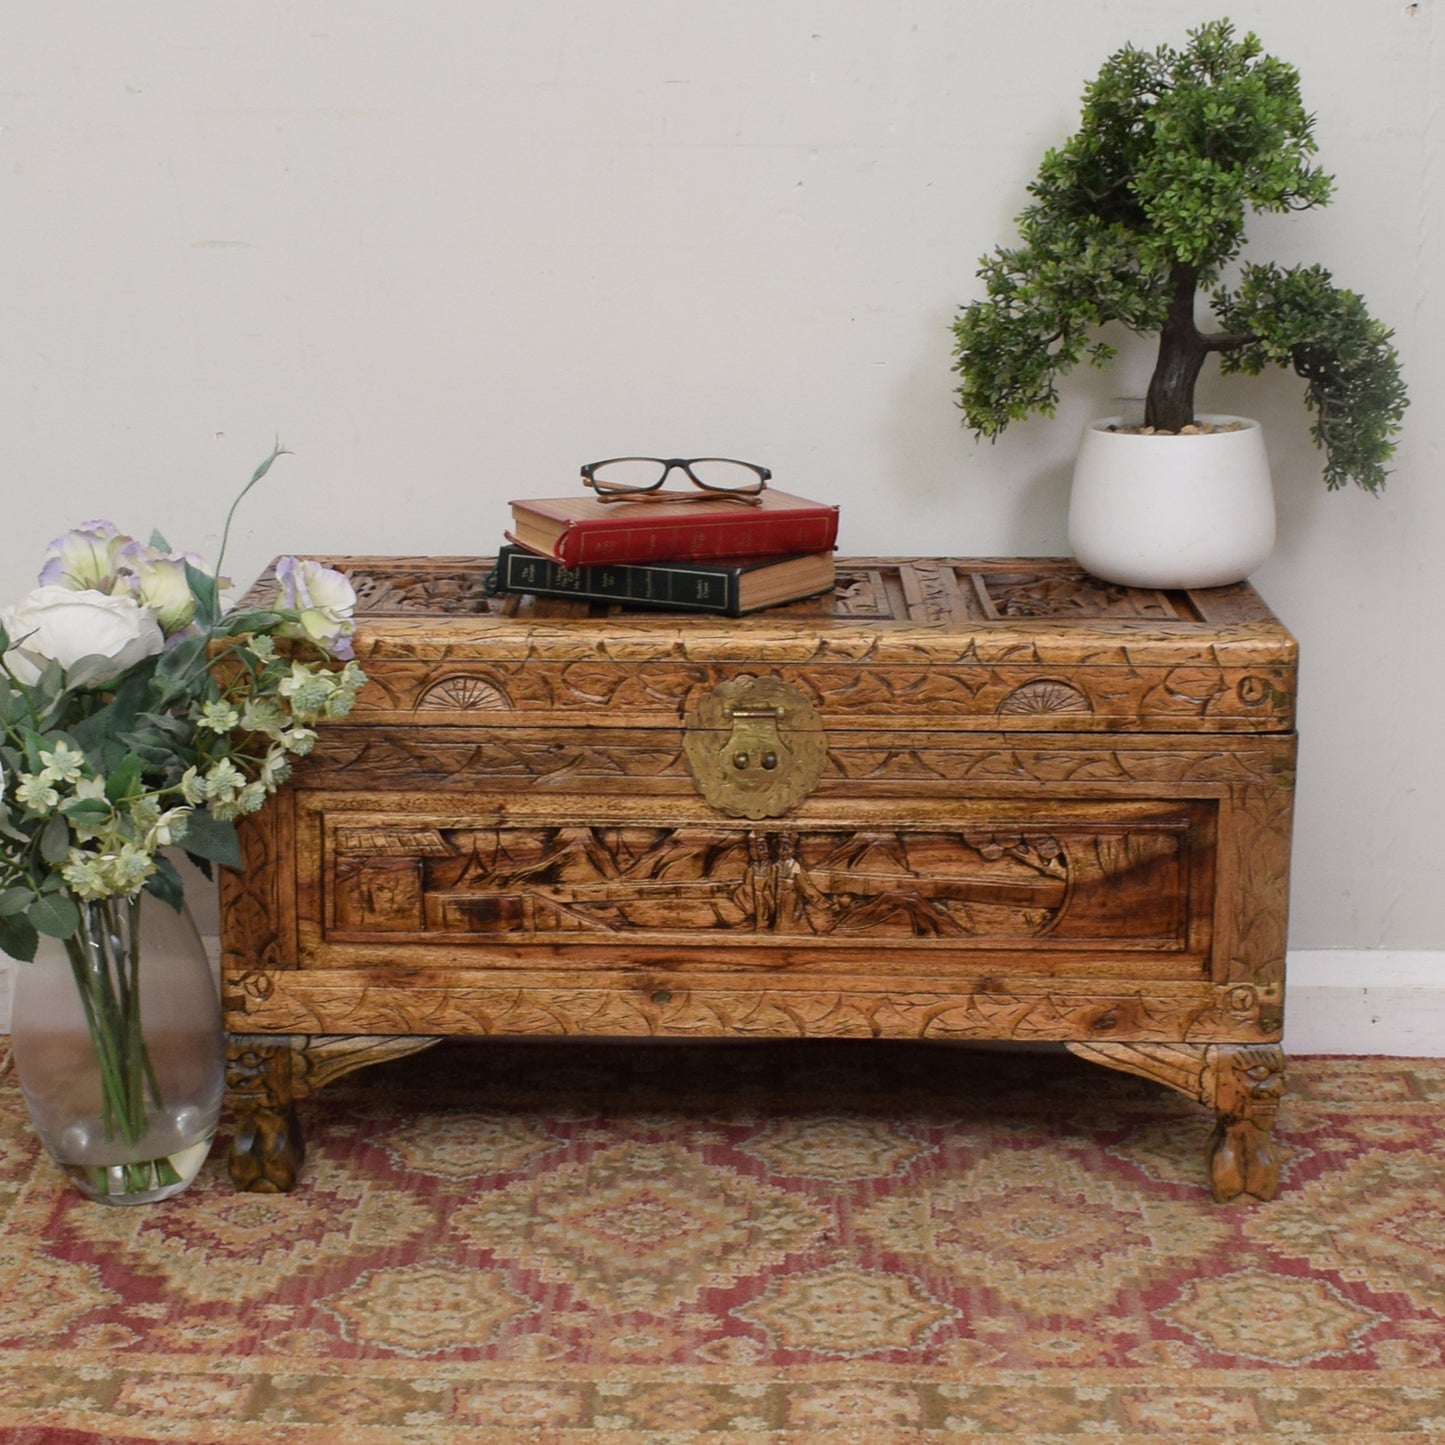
x,y
989,799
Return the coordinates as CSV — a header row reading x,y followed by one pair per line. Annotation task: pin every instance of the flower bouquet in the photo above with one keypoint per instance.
x,y
136,716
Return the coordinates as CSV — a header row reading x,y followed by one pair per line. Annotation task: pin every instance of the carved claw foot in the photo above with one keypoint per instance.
x,y
267,1074
266,1147
1242,1083
267,1151
1249,1083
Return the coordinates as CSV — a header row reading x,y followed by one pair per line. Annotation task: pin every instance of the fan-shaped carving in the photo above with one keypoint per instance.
x,y
468,694
1047,695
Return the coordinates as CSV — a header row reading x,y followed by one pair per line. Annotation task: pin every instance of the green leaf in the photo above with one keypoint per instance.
x,y
85,811
108,756
89,670
51,682
165,883
255,621
124,778
55,839
33,743
207,593
14,900
13,706
181,660
212,838
18,938
171,727
93,733
55,915
154,753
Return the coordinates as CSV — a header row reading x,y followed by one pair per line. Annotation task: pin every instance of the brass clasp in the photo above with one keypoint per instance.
x,y
755,742
755,747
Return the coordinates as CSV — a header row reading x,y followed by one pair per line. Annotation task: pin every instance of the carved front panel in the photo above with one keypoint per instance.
x,y
1131,878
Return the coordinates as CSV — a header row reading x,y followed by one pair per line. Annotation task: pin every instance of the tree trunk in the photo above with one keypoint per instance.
x,y
1169,405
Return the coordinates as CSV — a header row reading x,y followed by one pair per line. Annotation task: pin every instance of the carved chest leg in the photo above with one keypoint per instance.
x,y
1242,1083
266,1074
266,1148
1248,1083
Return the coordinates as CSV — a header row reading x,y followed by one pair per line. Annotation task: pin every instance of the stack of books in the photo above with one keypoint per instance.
x,y
686,556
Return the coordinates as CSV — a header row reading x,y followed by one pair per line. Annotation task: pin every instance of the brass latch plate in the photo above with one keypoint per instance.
x,y
755,746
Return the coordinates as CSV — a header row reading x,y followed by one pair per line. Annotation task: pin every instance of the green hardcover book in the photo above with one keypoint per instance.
x,y
728,587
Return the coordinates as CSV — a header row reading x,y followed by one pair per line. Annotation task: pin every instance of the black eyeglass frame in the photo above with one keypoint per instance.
x,y
612,492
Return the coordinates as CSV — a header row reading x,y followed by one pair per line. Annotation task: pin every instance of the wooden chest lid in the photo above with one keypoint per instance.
x,y
1006,643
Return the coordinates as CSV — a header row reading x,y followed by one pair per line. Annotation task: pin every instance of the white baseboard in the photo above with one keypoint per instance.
x,y
1340,1001
1346,1001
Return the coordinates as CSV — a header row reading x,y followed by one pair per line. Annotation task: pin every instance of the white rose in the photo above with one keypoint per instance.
x,y
56,623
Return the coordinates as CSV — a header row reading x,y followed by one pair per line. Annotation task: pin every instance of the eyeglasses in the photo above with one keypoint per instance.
x,y
640,479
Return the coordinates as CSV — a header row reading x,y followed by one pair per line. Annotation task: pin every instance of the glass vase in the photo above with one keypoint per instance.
x,y
117,1041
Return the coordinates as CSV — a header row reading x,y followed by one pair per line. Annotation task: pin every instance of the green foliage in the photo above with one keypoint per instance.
x,y
1144,206
1297,318
108,760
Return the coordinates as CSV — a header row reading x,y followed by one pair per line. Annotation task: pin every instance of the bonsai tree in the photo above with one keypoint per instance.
x,y
1138,214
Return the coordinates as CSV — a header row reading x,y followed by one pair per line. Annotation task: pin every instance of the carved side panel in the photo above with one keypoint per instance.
x,y
1255,862
258,914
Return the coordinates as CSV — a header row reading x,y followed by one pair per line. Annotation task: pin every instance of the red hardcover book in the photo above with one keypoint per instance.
x,y
581,531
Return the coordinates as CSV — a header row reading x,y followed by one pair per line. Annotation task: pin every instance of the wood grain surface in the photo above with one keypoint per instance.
x,y
1040,807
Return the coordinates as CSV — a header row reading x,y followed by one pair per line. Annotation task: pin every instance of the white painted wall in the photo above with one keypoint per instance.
x,y
448,252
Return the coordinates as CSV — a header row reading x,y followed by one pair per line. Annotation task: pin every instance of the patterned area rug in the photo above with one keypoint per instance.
x,y
552,1241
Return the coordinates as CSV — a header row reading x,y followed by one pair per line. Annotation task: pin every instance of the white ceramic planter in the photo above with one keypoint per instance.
x,y
1172,511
